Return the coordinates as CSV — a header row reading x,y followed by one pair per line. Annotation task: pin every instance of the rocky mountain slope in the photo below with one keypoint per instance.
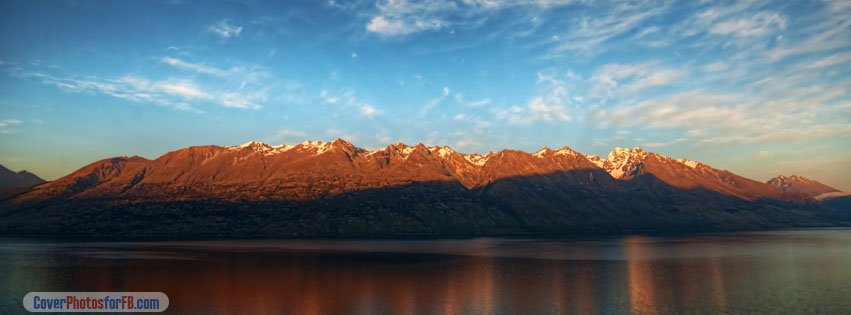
x,y
336,188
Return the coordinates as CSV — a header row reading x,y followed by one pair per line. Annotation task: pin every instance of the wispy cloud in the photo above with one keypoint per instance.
x,y
200,68
434,102
715,66
831,33
468,144
6,125
368,110
666,143
402,17
553,106
225,28
399,17
719,119
633,77
761,23
181,94
347,100
9,123
287,136
832,60
460,99
592,30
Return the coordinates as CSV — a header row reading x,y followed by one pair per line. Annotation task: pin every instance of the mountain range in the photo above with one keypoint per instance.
x,y
335,188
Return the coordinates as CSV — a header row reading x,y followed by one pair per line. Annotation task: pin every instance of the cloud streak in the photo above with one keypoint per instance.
x,y
433,102
555,105
7,125
181,94
225,28
199,68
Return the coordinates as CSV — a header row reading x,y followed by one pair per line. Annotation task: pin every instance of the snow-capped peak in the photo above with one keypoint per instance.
x,y
249,144
565,151
261,147
800,178
257,146
784,180
623,161
399,149
541,153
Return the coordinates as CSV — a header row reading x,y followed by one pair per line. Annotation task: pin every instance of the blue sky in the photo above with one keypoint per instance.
x,y
757,87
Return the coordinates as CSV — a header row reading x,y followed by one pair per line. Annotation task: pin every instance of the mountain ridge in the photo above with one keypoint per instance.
x,y
331,188
259,162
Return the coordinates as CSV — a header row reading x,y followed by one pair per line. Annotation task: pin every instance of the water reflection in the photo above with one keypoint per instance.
x,y
787,272
640,275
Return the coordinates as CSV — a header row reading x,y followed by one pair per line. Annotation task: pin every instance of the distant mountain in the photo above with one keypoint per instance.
x,y
799,184
336,188
10,179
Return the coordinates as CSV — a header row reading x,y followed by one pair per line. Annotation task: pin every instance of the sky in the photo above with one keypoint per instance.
x,y
760,88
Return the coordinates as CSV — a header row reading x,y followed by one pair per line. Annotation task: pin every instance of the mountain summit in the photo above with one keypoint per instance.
x,y
336,188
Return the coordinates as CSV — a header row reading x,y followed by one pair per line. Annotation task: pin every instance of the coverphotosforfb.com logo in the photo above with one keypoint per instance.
x,y
96,302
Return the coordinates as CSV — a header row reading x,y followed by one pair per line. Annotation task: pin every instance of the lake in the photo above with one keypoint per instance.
x,y
772,272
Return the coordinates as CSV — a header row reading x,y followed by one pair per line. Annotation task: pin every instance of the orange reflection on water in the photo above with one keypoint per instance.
x,y
640,275
717,278
470,288
313,286
587,296
482,292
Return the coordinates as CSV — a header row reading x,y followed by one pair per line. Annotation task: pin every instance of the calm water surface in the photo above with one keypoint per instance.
x,y
777,272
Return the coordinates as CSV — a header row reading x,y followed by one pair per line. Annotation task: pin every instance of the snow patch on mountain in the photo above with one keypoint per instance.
x,y
283,147
477,159
541,153
442,152
688,163
261,147
399,149
564,151
596,160
317,147
406,152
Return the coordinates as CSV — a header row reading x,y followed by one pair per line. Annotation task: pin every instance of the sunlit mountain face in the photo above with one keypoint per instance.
x,y
335,188
759,88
